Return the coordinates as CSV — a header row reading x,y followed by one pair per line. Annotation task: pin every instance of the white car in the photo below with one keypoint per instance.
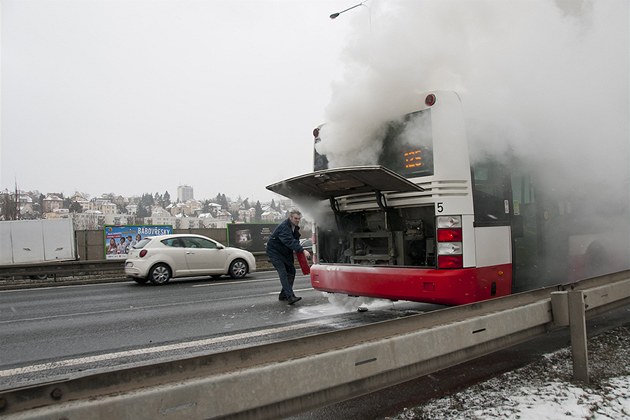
x,y
161,258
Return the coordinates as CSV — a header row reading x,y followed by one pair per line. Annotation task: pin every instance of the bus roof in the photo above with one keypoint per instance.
x,y
338,182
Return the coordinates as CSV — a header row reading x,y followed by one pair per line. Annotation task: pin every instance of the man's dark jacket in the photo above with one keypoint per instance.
x,y
283,241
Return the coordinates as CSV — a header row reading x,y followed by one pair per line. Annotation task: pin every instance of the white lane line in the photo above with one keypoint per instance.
x,y
237,282
130,281
69,286
228,282
138,352
308,289
105,311
135,308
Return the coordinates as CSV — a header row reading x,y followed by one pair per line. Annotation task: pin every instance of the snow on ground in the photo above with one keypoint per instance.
x,y
545,390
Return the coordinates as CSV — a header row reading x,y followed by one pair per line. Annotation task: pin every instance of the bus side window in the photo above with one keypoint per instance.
x,y
491,190
522,199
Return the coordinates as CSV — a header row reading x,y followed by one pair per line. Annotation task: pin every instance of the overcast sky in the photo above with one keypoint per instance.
x,y
141,96
131,96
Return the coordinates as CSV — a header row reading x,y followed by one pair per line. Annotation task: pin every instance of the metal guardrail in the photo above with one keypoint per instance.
x,y
62,268
55,269
260,382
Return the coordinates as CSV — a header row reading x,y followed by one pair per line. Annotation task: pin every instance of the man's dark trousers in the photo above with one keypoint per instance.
x,y
287,276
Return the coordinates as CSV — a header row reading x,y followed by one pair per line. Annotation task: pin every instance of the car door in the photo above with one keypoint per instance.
x,y
174,253
203,256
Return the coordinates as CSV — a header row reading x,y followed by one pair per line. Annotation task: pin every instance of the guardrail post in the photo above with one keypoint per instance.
x,y
577,327
560,308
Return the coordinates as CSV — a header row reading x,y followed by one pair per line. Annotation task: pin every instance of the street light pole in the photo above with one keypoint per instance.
x,y
334,15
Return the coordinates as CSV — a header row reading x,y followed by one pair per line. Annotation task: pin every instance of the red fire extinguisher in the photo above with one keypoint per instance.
x,y
306,269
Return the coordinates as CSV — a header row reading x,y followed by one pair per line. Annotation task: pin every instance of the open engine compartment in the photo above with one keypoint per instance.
x,y
391,236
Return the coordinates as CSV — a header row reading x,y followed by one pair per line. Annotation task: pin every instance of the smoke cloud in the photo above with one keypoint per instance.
x,y
547,80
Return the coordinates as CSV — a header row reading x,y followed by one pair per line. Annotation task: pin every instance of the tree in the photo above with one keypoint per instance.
x,y
9,207
245,204
75,207
142,210
273,204
166,199
258,212
147,200
222,200
37,210
205,207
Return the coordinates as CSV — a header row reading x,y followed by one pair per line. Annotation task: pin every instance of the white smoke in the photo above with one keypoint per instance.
x,y
542,78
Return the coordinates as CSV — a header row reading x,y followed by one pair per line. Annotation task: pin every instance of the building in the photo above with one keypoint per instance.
x,y
271,215
185,193
52,203
88,220
188,208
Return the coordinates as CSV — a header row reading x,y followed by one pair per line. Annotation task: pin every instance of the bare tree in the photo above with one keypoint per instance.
x,y
9,210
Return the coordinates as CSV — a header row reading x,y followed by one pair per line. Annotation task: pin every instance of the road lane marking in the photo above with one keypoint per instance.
x,y
308,289
142,351
136,308
237,282
68,286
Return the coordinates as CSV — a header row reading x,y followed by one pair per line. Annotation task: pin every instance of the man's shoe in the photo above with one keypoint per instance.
x,y
293,299
282,297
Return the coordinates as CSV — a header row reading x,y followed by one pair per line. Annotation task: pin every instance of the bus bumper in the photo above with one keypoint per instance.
x,y
446,287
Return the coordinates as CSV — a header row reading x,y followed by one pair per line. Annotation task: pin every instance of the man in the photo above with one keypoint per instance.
x,y
284,240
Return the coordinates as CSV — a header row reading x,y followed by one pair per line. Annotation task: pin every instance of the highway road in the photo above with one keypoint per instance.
x,y
51,333
57,332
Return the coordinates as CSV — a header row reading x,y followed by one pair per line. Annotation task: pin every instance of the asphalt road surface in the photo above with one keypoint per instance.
x,y
57,332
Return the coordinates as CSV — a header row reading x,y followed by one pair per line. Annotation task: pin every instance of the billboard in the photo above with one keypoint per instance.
x,y
119,239
250,236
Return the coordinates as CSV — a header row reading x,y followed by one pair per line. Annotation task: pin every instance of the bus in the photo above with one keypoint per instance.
x,y
424,222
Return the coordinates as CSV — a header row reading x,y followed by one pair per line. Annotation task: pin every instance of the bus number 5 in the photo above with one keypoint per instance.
x,y
439,207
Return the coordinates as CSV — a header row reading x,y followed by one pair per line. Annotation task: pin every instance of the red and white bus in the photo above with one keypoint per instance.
x,y
423,224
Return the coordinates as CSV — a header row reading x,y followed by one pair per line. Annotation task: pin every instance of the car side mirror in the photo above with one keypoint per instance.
x,y
220,247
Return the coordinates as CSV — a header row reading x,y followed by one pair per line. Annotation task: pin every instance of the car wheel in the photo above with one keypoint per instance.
x,y
160,274
238,269
141,281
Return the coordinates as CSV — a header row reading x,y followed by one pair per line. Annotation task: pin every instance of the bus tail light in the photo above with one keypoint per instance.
x,y
450,261
449,235
449,242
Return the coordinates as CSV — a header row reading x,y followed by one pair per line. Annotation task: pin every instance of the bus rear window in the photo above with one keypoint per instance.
x,y
408,146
